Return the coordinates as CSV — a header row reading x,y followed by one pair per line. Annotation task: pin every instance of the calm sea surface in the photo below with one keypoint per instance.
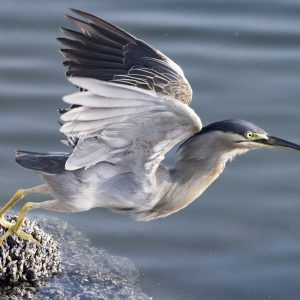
x,y
241,240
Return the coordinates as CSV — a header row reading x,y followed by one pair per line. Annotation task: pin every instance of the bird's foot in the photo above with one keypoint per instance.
x,y
18,232
13,229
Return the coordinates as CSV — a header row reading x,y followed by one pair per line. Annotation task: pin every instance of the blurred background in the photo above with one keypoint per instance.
x,y
241,240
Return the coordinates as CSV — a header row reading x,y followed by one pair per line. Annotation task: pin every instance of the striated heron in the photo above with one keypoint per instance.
x,y
131,110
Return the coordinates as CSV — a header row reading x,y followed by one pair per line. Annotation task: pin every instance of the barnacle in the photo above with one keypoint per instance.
x,y
22,261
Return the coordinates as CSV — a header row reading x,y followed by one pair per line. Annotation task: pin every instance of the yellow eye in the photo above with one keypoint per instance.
x,y
250,135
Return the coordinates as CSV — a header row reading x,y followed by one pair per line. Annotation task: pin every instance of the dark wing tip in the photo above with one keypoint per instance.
x,y
77,22
101,23
83,14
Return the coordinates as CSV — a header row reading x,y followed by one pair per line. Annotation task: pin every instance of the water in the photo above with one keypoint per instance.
x,y
241,240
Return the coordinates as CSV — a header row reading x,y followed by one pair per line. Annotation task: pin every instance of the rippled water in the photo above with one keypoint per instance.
x,y
241,240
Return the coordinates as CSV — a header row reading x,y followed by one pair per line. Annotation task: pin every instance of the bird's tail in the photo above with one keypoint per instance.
x,y
51,163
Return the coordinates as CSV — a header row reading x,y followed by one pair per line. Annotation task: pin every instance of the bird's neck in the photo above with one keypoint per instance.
x,y
194,172
191,178
196,175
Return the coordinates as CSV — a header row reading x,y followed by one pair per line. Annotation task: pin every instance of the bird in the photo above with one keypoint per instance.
x,y
131,108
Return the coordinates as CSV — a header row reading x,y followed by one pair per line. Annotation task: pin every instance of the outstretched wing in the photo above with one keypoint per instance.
x,y
106,52
122,124
133,106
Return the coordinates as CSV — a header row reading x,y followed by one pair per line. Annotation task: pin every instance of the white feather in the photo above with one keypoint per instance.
x,y
90,114
138,136
90,100
105,89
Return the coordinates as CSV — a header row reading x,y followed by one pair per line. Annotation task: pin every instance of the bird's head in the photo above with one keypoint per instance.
x,y
243,135
226,139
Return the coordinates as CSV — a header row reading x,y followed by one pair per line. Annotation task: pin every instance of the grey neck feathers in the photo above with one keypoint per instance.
x,y
201,160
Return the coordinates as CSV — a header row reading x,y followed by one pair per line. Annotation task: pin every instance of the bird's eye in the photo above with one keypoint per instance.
x,y
249,135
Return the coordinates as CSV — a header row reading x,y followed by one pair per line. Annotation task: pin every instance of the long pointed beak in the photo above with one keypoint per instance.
x,y
277,142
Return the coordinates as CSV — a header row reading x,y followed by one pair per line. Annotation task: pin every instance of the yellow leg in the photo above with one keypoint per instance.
x,y
15,228
19,195
5,223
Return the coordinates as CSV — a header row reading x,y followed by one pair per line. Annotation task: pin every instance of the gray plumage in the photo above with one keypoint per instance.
x,y
132,111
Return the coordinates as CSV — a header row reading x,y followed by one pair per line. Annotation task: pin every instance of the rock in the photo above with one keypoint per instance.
x,y
68,268
22,261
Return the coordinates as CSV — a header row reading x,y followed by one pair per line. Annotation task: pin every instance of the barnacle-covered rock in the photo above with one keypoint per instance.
x,y
23,262
87,272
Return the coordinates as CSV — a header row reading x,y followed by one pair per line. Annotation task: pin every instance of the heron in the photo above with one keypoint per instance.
x,y
131,110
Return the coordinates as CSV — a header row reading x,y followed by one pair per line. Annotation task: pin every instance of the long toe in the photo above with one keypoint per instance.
x,y
20,233
8,232
5,223
5,235
27,237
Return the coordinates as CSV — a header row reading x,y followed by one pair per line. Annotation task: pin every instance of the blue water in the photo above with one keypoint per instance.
x,y
241,240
